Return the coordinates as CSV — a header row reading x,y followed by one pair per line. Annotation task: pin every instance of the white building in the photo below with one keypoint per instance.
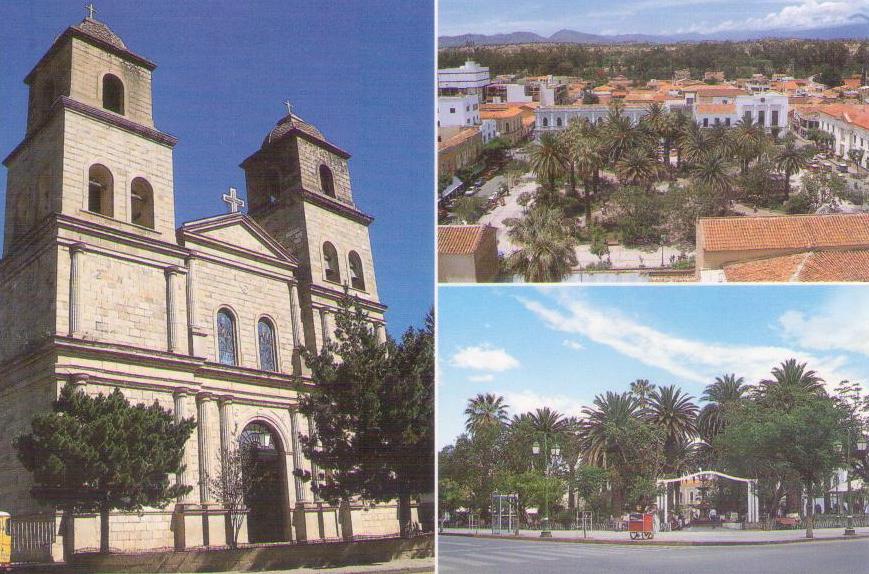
x,y
849,126
469,78
458,111
555,118
768,109
489,130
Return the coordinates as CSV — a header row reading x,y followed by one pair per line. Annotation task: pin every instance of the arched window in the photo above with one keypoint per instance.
x,y
101,190
113,94
330,263
268,357
357,277
545,122
142,203
226,338
558,122
327,182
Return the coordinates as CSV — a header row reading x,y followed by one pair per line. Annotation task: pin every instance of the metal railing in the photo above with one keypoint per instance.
x,y
32,537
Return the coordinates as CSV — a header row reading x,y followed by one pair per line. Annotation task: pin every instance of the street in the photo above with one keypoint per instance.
x,y
460,554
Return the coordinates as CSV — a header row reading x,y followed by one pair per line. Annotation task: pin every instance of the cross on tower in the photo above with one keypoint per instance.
x,y
289,105
232,200
91,10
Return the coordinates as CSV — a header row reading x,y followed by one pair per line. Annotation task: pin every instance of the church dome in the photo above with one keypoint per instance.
x,y
96,29
289,123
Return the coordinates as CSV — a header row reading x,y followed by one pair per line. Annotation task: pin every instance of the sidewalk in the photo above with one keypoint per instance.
x,y
717,537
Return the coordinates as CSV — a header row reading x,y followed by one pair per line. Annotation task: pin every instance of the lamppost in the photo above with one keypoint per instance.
x,y
861,446
535,449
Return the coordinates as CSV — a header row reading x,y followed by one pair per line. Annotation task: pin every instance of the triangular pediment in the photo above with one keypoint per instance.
x,y
235,232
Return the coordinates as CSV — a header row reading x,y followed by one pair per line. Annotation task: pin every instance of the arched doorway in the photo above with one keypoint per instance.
x,y
267,501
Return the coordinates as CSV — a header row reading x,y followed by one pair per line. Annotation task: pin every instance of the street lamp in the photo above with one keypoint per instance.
x,y
860,448
548,454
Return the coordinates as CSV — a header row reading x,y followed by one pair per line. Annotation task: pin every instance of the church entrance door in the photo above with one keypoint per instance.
x,y
267,500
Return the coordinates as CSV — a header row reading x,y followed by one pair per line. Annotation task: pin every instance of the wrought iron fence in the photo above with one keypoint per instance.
x,y
32,537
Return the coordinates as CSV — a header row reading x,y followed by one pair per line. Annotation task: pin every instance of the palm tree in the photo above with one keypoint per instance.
x,y
789,160
588,160
569,138
789,380
546,246
692,143
711,171
599,444
673,410
750,140
720,397
642,388
485,411
637,167
548,159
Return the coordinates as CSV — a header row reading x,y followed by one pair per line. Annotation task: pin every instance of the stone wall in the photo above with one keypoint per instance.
x,y
127,156
27,307
90,64
311,157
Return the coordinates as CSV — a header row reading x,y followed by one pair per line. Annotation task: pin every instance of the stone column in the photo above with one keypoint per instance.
x,y
173,339
297,331
380,329
191,303
324,325
315,470
183,478
225,412
202,405
297,456
76,251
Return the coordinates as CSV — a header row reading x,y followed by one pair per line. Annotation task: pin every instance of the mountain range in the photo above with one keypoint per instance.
x,y
859,30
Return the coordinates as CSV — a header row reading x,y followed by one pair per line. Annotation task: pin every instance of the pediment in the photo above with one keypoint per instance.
x,y
236,232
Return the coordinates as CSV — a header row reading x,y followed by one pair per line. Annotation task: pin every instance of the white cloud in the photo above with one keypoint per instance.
x,y
571,344
525,401
797,15
481,378
484,358
693,360
841,324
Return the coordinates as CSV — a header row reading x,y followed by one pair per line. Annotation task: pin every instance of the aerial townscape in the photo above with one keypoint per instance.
x,y
711,162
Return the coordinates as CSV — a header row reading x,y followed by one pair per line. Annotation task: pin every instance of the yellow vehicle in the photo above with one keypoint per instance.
x,y
5,542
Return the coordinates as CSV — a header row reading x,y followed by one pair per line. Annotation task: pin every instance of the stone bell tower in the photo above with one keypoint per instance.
x,y
91,150
298,187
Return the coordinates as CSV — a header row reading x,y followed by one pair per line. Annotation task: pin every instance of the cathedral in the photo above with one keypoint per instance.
x,y
101,290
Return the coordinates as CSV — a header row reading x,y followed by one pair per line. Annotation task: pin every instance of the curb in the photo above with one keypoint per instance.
x,y
660,542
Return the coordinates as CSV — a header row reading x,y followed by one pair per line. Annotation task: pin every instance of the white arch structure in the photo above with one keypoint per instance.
x,y
751,484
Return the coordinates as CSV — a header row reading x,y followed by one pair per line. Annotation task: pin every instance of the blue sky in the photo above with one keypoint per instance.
x,y
361,72
560,346
641,16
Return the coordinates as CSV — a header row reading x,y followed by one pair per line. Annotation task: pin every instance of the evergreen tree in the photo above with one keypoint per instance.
x,y
98,454
372,405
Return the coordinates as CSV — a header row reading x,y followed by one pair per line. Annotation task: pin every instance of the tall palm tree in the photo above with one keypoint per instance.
x,y
789,380
589,160
642,388
548,159
711,171
789,160
569,139
485,411
546,246
549,421
637,167
726,392
674,411
750,140
692,143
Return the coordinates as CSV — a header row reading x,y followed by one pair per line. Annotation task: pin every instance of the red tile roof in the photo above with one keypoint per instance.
x,y
811,266
786,232
461,239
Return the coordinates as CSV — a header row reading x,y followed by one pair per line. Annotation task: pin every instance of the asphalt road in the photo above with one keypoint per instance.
x,y
459,554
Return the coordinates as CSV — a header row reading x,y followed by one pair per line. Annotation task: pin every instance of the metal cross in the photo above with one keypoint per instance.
x,y
289,105
232,200
91,10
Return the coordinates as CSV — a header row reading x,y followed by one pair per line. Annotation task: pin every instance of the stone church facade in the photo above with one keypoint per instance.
x,y
101,290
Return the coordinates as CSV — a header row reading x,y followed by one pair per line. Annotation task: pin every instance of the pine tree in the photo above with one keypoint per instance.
x,y
372,405
98,454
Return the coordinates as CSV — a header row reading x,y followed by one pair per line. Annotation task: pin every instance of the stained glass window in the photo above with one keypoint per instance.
x,y
226,338
267,353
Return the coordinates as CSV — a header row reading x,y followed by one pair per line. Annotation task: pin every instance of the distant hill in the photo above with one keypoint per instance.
x,y
857,30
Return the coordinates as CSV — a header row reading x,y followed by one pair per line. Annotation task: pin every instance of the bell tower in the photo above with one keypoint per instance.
x,y
91,151
298,187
